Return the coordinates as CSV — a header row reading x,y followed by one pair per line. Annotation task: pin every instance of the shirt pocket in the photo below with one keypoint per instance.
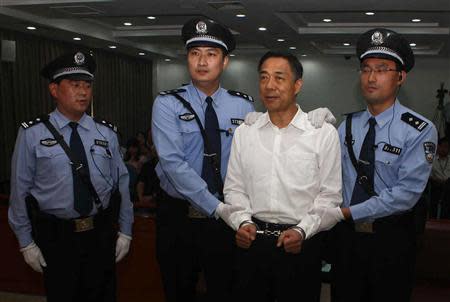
x,y
301,167
101,159
52,164
386,159
386,166
191,136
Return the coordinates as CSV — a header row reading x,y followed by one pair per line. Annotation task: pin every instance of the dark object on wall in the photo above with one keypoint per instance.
x,y
8,51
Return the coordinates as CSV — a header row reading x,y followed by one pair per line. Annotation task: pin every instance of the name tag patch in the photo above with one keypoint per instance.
x,y
48,142
101,143
237,121
430,149
392,149
186,117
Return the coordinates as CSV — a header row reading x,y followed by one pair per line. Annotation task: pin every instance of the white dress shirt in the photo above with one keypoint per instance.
x,y
281,175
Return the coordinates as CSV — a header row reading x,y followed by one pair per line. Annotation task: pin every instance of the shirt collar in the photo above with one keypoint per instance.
x,y
62,121
197,93
384,117
298,121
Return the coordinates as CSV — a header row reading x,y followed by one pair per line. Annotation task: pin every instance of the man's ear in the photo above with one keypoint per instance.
x,y
298,86
53,88
401,77
226,59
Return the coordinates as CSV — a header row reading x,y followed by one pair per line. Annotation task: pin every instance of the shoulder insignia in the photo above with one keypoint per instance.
x,y
35,121
241,94
106,124
172,91
414,121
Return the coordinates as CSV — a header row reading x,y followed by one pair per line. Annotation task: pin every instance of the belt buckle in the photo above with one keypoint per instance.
x,y
84,224
364,227
193,213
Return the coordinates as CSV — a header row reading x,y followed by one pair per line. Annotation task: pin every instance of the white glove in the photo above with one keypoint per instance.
x,y
329,217
318,116
122,246
225,211
33,257
251,117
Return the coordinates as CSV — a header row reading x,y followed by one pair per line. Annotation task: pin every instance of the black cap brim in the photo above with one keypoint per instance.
x,y
205,44
382,56
75,77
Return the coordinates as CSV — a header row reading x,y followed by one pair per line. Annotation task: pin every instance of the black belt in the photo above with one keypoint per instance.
x,y
270,229
76,225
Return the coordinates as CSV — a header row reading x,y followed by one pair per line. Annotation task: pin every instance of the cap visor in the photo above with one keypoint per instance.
x,y
205,44
75,77
381,56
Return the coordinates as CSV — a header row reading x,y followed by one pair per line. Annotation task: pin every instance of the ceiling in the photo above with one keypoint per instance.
x,y
300,23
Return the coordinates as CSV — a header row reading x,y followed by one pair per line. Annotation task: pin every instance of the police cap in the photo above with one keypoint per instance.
x,y
386,44
74,66
206,32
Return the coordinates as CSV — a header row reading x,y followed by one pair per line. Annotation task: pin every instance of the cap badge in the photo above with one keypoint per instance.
x,y
79,58
201,27
377,38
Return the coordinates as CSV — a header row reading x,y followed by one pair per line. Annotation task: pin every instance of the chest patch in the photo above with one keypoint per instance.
x,y
430,149
186,117
101,143
49,142
392,149
236,121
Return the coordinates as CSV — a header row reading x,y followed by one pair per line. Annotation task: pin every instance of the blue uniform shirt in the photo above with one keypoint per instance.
x,y
403,161
40,167
179,143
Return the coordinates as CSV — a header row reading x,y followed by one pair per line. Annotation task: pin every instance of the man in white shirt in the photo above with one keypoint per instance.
x,y
284,174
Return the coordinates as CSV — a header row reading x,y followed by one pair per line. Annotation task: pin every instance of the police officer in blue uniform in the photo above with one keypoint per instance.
x,y
189,235
68,232
387,155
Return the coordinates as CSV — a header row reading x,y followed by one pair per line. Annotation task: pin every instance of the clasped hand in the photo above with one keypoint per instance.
x,y
290,239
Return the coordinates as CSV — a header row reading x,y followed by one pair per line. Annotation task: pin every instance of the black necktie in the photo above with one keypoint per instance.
x,y
82,197
213,137
367,163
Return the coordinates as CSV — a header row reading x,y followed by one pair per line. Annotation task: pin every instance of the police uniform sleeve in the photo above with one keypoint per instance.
x,y
403,193
126,215
168,141
22,175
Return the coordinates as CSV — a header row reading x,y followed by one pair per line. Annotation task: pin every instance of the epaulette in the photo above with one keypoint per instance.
x,y
242,95
354,112
35,121
172,91
414,121
106,123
